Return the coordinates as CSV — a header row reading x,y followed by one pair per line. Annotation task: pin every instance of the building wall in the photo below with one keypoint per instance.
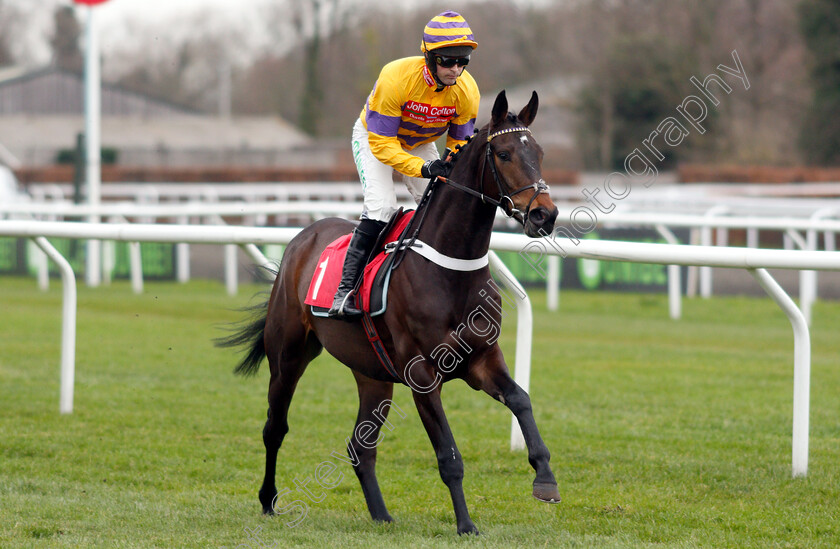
x,y
59,92
41,114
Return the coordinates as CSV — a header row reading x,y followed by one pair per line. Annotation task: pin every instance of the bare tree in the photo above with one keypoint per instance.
x,y
65,40
6,57
820,131
313,21
184,70
324,57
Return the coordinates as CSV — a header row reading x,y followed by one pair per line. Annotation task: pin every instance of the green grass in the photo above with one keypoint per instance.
x,y
663,433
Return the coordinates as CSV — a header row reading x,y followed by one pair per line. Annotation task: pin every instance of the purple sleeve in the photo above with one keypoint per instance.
x,y
462,131
380,124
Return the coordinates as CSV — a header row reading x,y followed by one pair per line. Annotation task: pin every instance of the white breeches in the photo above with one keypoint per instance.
x,y
377,178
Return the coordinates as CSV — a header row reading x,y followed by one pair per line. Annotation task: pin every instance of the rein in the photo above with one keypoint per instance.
x,y
427,196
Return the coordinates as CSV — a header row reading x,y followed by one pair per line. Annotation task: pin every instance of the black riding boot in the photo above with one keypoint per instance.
x,y
364,237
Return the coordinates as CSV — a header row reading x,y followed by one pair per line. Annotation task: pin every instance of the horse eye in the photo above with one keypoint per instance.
x,y
504,155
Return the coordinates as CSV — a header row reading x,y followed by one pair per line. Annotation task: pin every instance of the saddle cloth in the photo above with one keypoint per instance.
x,y
372,293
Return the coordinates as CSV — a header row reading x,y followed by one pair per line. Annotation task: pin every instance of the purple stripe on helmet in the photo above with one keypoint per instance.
x,y
462,131
380,124
431,38
447,25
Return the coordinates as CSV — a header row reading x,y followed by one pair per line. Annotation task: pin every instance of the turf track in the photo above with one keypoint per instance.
x,y
663,433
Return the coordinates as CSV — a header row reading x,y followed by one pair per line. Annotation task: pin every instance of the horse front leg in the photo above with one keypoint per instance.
x,y
450,464
518,401
491,376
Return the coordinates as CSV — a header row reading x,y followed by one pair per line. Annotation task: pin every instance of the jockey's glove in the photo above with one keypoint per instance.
x,y
435,168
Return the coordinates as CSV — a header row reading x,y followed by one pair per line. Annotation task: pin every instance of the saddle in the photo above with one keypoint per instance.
x,y
372,291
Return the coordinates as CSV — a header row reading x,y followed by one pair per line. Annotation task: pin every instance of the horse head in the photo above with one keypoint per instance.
x,y
515,159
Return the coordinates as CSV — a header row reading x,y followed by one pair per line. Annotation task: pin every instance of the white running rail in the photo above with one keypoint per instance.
x,y
756,261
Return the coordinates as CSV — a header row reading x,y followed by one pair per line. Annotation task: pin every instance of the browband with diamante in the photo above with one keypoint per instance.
x,y
509,130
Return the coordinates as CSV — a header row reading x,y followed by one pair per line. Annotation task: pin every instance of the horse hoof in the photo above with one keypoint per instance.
x,y
469,529
267,504
386,518
546,492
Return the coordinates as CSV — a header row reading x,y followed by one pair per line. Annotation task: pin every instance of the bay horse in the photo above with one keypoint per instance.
x,y
431,312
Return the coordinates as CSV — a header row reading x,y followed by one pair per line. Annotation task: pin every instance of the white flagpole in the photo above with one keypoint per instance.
x,y
92,141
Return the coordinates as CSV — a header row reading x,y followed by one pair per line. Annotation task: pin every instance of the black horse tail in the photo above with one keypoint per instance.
x,y
248,334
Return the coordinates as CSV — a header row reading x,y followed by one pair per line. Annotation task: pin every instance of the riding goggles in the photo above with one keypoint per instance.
x,y
449,62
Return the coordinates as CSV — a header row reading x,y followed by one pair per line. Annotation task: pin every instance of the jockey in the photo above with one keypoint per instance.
x,y
414,101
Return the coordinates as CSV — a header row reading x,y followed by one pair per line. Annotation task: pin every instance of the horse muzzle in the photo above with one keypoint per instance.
x,y
540,221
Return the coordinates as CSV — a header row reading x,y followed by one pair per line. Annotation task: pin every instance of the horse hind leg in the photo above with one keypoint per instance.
x,y
287,367
374,404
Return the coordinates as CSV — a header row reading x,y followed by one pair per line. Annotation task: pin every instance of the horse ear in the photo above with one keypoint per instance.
x,y
500,109
529,112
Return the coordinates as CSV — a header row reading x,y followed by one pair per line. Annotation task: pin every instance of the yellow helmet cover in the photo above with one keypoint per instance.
x,y
446,30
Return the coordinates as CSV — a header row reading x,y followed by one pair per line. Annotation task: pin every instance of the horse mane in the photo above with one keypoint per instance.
x,y
469,153
469,150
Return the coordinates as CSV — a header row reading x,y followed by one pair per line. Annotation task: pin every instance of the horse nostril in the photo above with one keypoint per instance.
x,y
537,216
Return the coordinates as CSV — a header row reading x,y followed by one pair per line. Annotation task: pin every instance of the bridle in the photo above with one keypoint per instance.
x,y
505,201
539,188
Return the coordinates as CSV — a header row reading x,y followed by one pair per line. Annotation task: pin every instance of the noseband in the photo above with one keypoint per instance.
x,y
505,201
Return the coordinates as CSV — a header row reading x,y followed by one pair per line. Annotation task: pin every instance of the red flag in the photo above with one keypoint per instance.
x,y
90,2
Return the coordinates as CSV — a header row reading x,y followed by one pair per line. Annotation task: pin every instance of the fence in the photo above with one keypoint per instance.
x,y
815,218
756,261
